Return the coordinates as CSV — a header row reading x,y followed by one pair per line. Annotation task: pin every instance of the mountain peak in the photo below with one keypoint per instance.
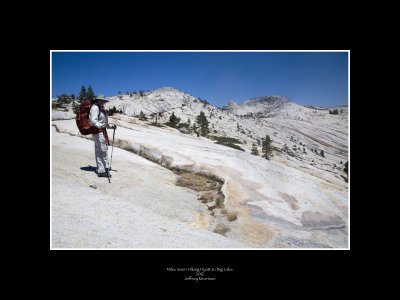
x,y
258,105
271,99
231,103
167,89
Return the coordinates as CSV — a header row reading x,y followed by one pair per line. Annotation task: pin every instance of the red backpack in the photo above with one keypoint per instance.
x,y
82,119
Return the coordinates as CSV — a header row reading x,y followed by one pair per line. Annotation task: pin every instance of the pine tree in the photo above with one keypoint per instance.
x,y
82,93
90,93
254,150
173,120
112,111
142,116
73,96
194,128
322,153
267,147
203,123
346,168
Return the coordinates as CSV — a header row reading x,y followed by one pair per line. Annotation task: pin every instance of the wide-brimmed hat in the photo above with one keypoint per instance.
x,y
101,97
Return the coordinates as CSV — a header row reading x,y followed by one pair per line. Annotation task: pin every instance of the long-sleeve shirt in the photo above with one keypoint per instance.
x,y
96,119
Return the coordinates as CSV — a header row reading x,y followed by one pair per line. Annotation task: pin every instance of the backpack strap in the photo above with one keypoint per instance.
x,y
95,103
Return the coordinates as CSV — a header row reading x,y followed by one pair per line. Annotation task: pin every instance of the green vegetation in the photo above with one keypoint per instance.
x,y
194,129
267,147
173,121
231,145
226,141
222,140
112,111
156,124
334,112
203,123
254,149
82,93
142,116
90,93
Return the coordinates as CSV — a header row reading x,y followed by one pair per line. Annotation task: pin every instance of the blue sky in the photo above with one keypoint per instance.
x,y
319,78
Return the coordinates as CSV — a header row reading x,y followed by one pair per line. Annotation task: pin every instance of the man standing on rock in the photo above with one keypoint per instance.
x,y
98,118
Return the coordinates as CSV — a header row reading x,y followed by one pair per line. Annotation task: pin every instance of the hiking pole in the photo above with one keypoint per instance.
x,y
108,175
112,147
107,142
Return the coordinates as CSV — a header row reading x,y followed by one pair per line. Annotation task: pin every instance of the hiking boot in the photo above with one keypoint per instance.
x,y
104,174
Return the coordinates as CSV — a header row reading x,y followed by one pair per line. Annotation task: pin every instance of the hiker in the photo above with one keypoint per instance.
x,y
98,118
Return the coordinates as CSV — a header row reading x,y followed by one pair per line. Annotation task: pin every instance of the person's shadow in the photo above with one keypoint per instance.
x,y
92,169
89,169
